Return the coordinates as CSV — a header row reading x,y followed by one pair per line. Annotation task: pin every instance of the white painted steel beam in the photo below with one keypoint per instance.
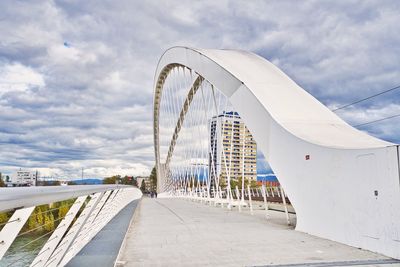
x,y
84,230
12,228
110,206
63,247
90,228
58,234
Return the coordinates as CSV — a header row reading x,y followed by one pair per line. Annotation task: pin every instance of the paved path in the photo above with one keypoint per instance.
x,y
175,232
103,249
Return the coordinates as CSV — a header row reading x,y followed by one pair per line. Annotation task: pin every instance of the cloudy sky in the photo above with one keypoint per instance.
x,y
76,76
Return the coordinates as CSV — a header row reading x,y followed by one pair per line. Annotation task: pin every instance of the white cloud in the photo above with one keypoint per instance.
x,y
16,77
89,104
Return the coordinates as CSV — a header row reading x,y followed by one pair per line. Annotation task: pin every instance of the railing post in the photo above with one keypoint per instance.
x,y
85,229
228,197
264,194
89,230
12,228
238,199
285,205
62,248
57,235
250,202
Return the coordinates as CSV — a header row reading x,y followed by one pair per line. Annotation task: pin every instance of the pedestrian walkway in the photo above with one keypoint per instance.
x,y
177,232
103,249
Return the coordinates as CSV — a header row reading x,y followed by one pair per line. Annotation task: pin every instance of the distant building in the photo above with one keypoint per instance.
x,y
24,178
232,149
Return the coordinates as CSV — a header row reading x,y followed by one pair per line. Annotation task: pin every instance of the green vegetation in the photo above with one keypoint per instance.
x,y
143,186
222,183
117,179
149,184
2,184
4,216
253,184
112,179
238,183
44,218
48,183
153,179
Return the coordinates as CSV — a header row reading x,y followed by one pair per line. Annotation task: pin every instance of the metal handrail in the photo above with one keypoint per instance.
x,y
80,224
20,197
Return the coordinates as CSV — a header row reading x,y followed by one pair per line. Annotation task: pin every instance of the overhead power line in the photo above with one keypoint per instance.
x,y
383,119
367,98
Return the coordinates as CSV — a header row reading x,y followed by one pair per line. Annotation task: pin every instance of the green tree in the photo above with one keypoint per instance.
x,y
112,179
4,217
235,183
143,186
39,216
153,179
2,184
253,184
48,221
32,221
63,210
222,183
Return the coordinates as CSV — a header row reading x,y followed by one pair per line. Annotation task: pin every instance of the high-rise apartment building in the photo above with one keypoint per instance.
x,y
232,150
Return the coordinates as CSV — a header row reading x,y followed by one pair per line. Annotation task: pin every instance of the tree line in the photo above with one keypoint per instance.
x,y
44,218
118,179
129,180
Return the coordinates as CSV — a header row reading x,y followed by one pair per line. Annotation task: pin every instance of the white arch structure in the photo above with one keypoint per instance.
x,y
343,183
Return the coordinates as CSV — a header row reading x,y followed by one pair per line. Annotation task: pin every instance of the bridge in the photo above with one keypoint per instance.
x,y
211,105
337,202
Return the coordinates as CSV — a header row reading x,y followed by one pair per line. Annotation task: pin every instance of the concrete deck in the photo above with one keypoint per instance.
x,y
176,232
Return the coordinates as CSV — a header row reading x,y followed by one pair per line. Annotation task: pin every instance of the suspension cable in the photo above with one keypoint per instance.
x,y
15,220
40,226
29,243
42,212
366,98
374,121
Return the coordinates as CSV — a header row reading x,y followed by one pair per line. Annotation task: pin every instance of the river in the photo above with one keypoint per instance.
x,y
21,253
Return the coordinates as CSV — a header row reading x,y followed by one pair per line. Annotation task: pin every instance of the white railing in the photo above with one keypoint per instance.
x,y
93,208
246,198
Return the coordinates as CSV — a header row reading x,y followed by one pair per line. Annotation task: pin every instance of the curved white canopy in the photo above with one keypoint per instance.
x,y
286,102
